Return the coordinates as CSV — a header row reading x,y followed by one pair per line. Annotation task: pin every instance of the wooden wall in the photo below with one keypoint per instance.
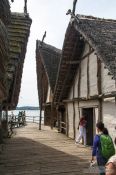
x,y
88,79
89,87
73,121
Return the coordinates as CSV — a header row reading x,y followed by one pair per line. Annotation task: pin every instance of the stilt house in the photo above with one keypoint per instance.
x,y
86,82
14,33
47,61
18,33
4,21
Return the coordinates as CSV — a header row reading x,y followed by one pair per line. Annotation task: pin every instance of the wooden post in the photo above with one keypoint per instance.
x,y
67,122
74,119
74,111
100,115
79,86
1,136
52,114
58,120
88,83
40,118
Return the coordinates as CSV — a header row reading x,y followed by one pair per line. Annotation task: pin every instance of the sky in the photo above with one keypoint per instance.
x,y
50,16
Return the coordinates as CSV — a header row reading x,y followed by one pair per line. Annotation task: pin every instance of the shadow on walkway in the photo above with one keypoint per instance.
x,y
23,156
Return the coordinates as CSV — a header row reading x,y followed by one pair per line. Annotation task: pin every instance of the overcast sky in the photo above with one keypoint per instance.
x,y
50,15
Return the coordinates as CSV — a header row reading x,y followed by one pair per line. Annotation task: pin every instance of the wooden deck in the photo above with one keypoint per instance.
x,y
45,152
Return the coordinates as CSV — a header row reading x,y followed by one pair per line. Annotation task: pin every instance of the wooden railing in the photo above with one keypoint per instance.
x,y
33,119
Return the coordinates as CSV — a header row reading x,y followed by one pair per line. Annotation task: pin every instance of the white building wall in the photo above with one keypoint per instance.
x,y
84,78
108,84
76,86
70,119
83,82
49,95
109,117
93,74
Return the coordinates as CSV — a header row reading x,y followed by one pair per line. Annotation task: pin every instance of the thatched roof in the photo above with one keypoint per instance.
x,y
100,34
47,62
3,59
5,11
18,33
50,57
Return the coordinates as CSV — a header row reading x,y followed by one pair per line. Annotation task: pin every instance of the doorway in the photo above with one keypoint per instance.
x,y
88,113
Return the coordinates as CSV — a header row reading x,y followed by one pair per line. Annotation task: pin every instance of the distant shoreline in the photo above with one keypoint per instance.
x,y
27,108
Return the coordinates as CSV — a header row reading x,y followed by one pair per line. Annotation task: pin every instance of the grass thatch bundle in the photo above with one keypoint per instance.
x,y
5,11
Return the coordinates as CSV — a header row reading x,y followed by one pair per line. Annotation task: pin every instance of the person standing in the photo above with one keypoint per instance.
x,y
82,130
103,147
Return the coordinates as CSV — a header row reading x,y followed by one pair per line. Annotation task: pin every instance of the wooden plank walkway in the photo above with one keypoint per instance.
x,y
45,152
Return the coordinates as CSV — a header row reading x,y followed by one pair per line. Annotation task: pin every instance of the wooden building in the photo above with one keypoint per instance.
x,y
4,21
86,82
47,62
18,33
14,33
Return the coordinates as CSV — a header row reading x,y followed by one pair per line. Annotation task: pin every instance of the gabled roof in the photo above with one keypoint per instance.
x,y
4,19
100,34
50,58
3,59
18,33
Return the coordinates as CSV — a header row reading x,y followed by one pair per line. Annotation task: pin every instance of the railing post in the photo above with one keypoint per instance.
x,y
33,119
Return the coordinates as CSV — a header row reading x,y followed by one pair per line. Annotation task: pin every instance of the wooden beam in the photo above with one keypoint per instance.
x,y
40,119
67,121
100,110
88,54
74,110
52,115
79,81
95,97
88,81
99,76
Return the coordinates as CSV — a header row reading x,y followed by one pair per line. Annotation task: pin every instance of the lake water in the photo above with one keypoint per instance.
x,y
31,115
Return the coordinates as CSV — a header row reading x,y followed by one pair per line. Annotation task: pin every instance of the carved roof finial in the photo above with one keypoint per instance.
x,y
72,13
25,7
43,38
74,6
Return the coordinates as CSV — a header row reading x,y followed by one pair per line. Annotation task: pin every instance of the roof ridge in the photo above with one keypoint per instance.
x,y
19,14
48,46
95,18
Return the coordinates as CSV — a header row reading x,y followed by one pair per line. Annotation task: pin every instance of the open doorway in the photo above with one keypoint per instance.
x,y
88,113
